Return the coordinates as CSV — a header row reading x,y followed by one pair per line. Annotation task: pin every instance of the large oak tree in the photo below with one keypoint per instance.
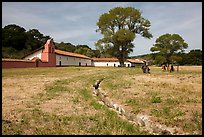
x,y
119,28
167,46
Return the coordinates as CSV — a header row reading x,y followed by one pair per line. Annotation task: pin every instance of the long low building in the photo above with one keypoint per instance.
x,y
59,57
113,62
48,56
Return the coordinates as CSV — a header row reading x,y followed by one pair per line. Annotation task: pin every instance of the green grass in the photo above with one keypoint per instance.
x,y
156,99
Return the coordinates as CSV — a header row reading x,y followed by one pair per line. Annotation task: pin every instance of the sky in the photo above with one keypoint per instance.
x,y
75,22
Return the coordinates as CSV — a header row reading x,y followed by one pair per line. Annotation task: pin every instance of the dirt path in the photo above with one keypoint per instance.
x,y
145,122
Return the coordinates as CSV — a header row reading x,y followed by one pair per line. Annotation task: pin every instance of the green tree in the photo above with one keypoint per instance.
x,y
168,45
96,53
119,28
82,46
85,51
16,42
65,46
159,60
14,36
195,57
35,39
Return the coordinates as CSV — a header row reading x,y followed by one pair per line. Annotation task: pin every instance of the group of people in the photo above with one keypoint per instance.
x,y
169,68
146,69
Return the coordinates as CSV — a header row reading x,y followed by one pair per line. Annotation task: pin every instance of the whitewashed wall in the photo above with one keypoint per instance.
x,y
110,64
127,63
106,64
35,54
71,61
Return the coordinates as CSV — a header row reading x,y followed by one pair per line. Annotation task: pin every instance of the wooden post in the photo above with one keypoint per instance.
x,y
177,68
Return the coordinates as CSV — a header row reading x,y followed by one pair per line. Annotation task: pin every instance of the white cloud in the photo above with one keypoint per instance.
x,y
75,22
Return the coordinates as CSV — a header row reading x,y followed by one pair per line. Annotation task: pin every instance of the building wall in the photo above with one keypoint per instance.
x,y
106,64
128,64
18,64
35,54
24,64
109,64
72,61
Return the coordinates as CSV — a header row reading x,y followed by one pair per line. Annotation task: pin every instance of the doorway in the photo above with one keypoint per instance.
x,y
36,63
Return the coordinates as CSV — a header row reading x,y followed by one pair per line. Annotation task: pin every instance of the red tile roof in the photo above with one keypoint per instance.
x,y
36,58
105,59
60,52
115,60
135,61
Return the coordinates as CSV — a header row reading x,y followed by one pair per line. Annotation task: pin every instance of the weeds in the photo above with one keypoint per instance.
x,y
155,99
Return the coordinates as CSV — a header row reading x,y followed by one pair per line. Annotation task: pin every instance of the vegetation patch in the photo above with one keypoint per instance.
x,y
156,99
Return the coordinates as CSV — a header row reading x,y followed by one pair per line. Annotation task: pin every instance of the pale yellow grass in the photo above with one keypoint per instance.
x,y
21,92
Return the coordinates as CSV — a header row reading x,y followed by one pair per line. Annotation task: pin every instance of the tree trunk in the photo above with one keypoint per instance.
x,y
122,64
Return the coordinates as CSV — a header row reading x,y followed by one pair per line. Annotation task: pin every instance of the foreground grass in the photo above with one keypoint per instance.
x,y
66,105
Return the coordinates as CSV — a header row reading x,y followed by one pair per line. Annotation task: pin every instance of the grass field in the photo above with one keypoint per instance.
x,y
60,101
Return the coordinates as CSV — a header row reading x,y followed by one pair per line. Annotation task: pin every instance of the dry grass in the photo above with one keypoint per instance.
x,y
59,100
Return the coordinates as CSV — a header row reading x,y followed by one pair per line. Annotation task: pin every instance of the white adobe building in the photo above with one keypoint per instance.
x,y
63,58
113,62
58,57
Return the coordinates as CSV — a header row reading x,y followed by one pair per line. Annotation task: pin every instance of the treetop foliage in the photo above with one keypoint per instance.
x,y
167,45
119,27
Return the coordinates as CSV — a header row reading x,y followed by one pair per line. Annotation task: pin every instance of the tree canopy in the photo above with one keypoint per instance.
x,y
65,46
167,45
17,42
119,28
14,36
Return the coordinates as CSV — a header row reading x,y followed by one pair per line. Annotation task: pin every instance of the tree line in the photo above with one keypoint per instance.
x,y
17,42
193,57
